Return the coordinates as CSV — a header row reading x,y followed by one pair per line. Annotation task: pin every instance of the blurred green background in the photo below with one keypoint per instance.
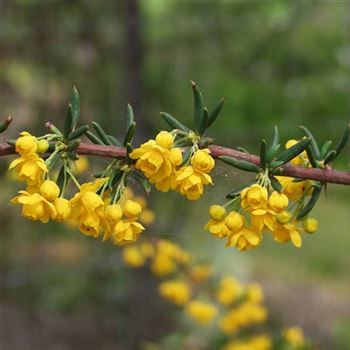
x,y
275,62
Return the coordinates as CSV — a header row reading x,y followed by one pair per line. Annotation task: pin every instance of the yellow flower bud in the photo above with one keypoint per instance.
x,y
234,221
310,225
217,212
63,209
165,139
202,161
133,257
147,217
202,312
131,209
114,212
49,190
284,217
80,165
278,201
26,143
91,201
43,146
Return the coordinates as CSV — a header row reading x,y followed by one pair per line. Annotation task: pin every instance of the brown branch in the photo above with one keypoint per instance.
x,y
322,175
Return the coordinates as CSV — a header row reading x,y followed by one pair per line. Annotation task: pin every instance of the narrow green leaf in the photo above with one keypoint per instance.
x,y
5,124
72,145
129,116
78,132
115,177
276,185
68,123
54,161
237,191
276,164
129,149
73,156
93,138
101,133
129,134
275,137
240,164
173,122
330,157
293,151
61,178
325,148
311,203
204,121
242,149
11,142
75,103
142,181
214,113
186,156
313,142
312,157
343,141
263,154
272,152
198,105
114,141
53,129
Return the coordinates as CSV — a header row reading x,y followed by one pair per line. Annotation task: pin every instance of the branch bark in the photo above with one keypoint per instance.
x,y
323,175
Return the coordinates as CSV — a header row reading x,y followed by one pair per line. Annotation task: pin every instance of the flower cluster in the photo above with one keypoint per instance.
x,y
92,209
209,300
259,208
162,164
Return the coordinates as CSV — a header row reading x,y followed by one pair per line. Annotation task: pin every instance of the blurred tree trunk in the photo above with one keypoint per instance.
x,y
133,52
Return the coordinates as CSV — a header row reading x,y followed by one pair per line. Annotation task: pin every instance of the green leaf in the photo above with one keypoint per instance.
x,y
276,185
275,137
272,152
173,122
325,148
54,161
293,151
240,164
142,181
73,156
313,143
101,133
72,145
186,156
311,203
11,142
204,121
75,103
237,191
343,141
129,134
312,157
115,177
114,141
68,123
5,124
198,105
330,157
263,154
53,129
242,149
129,116
78,132
276,164
214,113
129,149
61,178
93,138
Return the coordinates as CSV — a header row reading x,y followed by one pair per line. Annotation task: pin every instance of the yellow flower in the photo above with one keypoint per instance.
x,y
217,212
260,342
202,161
284,217
287,232
229,290
147,250
35,206
43,146
278,201
310,225
254,197
294,336
247,238
80,165
126,231
162,265
49,190
234,221
176,291
29,168
202,312
147,217
63,209
132,256
26,144
190,182
87,208
263,219
254,293
200,273
157,161
131,209
294,190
